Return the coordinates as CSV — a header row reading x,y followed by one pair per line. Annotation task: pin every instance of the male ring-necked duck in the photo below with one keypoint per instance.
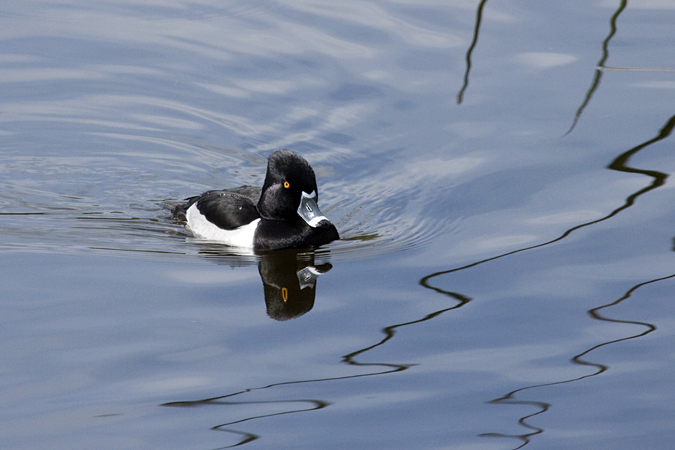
x,y
283,214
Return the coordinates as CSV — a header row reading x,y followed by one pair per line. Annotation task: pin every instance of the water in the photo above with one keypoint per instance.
x,y
499,173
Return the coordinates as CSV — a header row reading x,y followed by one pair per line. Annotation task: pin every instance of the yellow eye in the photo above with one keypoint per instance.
x,y
284,293
287,184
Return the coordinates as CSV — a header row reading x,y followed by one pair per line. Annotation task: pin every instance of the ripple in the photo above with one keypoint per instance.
x,y
111,203
128,131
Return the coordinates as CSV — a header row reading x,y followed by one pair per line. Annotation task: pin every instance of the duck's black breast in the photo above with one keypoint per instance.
x,y
230,208
278,234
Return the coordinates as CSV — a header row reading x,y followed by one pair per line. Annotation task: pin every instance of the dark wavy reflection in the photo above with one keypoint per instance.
x,y
476,30
245,436
598,368
381,368
619,164
600,66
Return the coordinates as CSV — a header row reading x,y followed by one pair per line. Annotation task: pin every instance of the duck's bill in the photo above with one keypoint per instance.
x,y
309,210
307,277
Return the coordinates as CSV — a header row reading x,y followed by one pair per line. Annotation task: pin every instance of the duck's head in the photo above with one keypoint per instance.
x,y
290,191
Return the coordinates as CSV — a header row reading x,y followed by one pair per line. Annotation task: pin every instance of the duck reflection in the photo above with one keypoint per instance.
x,y
289,277
289,280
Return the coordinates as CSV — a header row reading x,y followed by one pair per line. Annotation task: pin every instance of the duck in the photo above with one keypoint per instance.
x,y
283,214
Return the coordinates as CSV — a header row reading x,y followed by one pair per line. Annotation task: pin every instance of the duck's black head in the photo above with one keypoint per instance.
x,y
288,176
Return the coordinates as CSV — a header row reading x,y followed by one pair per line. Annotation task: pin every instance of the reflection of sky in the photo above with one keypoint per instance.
x,y
394,66
110,108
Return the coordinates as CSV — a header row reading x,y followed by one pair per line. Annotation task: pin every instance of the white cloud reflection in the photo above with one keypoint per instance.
x,y
545,60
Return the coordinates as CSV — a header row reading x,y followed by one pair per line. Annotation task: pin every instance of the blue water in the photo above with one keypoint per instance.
x,y
499,173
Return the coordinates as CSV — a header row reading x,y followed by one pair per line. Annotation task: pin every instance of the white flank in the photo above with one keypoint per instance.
x,y
239,237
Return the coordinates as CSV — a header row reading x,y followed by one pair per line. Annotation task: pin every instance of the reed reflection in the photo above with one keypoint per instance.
x,y
469,52
296,272
380,368
620,164
579,359
600,66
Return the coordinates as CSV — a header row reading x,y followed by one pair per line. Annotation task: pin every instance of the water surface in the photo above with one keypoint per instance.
x,y
499,173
